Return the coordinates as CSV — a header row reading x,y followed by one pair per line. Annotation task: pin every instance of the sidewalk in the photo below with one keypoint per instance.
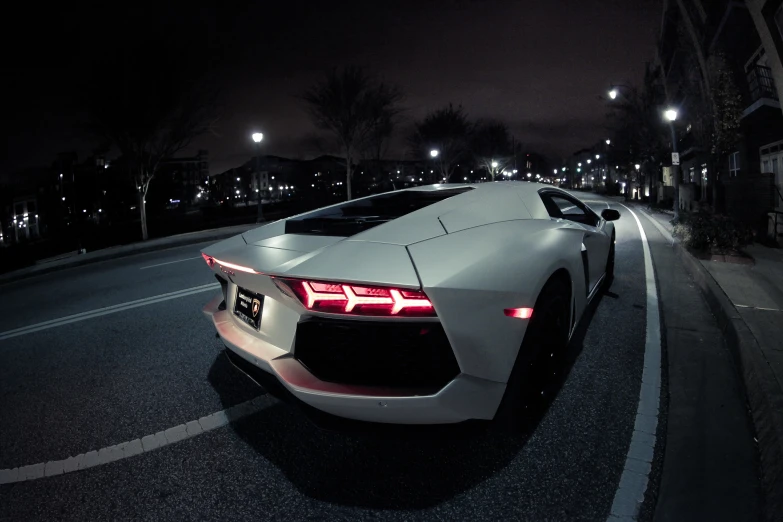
x,y
747,301
105,254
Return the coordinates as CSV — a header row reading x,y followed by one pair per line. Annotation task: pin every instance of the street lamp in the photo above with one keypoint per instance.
x,y
588,161
670,115
494,164
434,153
608,141
579,164
637,166
597,156
555,171
257,137
613,94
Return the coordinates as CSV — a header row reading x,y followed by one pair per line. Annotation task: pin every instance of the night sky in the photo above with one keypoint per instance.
x,y
537,65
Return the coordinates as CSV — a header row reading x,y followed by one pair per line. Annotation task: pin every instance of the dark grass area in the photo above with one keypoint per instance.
x,y
91,236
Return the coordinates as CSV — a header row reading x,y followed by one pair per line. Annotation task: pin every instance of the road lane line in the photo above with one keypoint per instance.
x,y
665,233
106,311
170,262
638,461
133,447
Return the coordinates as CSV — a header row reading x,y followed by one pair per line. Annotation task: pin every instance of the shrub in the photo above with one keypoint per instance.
x,y
664,204
712,232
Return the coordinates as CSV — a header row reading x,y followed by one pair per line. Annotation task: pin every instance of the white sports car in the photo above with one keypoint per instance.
x,y
426,305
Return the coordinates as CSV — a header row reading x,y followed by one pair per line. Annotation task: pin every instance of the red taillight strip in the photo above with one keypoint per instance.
x,y
354,299
313,296
519,313
401,302
350,299
235,267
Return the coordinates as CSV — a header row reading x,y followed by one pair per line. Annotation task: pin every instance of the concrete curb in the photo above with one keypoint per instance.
x,y
764,394
124,251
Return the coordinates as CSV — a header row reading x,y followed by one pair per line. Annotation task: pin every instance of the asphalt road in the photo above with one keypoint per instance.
x,y
96,382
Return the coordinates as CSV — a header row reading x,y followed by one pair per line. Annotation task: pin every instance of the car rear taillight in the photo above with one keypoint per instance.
x,y
211,263
343,298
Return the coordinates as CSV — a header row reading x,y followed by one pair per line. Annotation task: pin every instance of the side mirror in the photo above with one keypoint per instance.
x,y
610,214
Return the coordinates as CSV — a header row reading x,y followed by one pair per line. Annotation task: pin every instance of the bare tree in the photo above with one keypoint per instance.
x,y
491,146
446,130
151,104
352,104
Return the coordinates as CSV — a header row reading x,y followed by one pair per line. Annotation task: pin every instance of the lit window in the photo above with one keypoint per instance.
x,y
734,164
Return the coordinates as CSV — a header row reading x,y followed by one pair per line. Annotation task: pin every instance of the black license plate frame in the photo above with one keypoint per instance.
x,y
248,307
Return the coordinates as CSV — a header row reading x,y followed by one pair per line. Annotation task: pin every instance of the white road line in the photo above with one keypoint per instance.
x,y
170,262
134,447
106,311
633,483
665,233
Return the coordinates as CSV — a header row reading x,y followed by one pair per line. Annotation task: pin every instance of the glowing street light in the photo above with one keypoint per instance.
x,y
597,156
434,153
588,161
528,174
670,114
494,164
637,166
555,171
579,164
257,137
613,94
608,141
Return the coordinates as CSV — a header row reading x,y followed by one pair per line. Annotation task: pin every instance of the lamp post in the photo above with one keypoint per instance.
x,y
257,137
434,153
670,115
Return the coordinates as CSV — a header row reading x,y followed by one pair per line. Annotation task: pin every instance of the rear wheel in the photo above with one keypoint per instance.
x,y
539,357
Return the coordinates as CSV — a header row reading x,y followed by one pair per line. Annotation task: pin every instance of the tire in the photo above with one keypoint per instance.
x,y
536,364
610,263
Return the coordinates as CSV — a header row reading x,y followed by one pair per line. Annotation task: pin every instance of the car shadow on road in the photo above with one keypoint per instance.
x,y
387,466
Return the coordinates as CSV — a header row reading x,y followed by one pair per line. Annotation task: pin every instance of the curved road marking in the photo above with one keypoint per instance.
x,y
169,262
633,483
133,447
106,311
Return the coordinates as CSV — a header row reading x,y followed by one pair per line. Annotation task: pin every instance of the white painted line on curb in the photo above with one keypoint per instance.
x,y
665,233
134,447
106,311
170,262
633,482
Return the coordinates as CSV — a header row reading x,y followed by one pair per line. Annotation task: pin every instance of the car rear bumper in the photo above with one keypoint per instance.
x,y
463,398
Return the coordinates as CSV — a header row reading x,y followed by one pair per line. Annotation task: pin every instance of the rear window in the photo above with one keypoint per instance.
x,y
356,216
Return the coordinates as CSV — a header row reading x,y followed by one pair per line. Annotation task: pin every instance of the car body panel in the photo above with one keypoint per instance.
x,y
459,274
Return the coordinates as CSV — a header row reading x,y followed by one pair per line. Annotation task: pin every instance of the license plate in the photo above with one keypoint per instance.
x,y
248,306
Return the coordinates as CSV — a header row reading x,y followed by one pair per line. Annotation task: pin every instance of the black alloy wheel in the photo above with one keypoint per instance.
x,y
540,358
